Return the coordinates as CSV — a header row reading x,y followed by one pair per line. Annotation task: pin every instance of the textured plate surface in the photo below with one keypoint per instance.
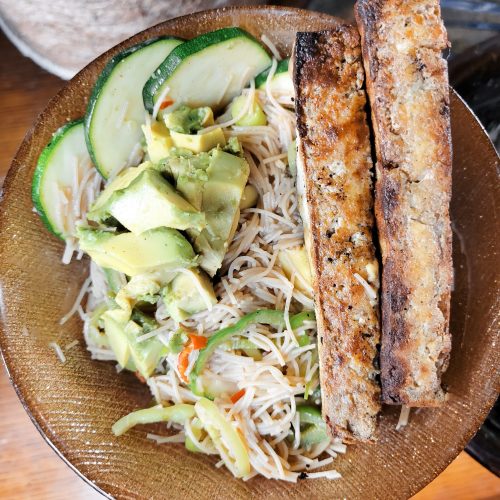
x,y
74,404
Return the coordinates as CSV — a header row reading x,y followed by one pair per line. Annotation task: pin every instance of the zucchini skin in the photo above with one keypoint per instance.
x,y
40,168
181,52
100,84
282,67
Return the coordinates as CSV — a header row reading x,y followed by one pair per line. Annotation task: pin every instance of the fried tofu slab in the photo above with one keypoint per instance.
x,y
334,182
407,84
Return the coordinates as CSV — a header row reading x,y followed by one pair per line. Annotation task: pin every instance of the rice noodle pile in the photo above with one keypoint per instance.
x,y
251,279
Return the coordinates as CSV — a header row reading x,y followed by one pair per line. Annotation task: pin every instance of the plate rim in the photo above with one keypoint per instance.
x,y
9,185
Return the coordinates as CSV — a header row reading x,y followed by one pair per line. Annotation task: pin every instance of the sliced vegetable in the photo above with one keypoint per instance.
x,y
237,396
281,80
262,316
177,341
183,362
233,146
186,120
217,386
146,322
114,279
161,249
294,262
225,438
149,202
292,158
188,293
303,340
196,71
197,429
250,197
254,116
312,426
55,173
95,333
116,111
196,342
297,320
122,335
198,143
222,192
178,414
158,141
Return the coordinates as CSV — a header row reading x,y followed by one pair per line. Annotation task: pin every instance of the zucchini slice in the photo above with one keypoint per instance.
x,y
55,171
281,80
208,70
115,112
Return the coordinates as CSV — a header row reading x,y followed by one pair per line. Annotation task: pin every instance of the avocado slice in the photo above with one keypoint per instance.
x,y
158,249
113,279
294,261
121,181
189,173
122,335
214,183
188,293
227,177
198,143
187,120
158,141
148,202
114,326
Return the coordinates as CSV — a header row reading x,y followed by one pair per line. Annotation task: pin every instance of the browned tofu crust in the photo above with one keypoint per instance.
x,y
407,84
335,188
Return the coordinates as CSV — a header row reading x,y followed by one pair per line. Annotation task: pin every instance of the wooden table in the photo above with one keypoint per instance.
x,y
28,467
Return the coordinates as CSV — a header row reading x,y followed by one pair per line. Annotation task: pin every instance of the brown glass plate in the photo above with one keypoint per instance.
x,y
74,404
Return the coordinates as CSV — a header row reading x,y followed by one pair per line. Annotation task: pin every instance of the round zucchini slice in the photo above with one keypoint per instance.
x,y
208,70
116,112
55,171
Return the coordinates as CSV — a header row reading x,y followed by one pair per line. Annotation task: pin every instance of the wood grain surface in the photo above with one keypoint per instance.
x,y
29,468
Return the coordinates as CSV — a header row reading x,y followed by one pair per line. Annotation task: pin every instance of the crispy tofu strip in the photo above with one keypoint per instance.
x,y
334,183
407,85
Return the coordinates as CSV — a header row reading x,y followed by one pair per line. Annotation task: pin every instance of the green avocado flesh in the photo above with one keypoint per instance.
x,y
214,183
157,249
188,293
148,202
123,334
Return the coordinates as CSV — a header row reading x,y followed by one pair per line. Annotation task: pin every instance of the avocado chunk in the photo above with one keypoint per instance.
x,y
186,120
148,202
253,116
227,177
214,183
250,197
200,142
122,335
189,173
188,293
114,326
121,181
294,261
114,279
143,288
161,249
158,141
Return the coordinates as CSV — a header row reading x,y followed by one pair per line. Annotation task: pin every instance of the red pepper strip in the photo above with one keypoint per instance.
x,y
167,102
196,342
237,396
183,361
